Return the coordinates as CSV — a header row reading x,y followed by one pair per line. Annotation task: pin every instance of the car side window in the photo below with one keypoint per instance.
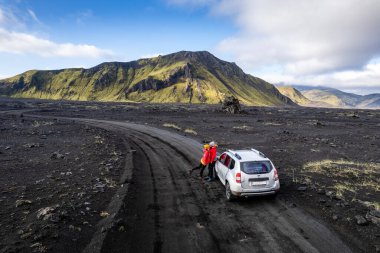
x,y
227,161
232,164
222,157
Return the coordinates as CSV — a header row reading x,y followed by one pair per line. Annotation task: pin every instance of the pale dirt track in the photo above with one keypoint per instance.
x,y
166,210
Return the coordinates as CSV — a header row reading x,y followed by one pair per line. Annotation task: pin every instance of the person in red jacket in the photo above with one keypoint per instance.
x,y
211,166
205,160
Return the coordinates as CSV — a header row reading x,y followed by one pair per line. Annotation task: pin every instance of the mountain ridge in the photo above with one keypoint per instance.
x,y
185,76
321,96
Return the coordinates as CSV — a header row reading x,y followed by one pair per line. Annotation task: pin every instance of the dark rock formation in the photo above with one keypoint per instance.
x,y
231,105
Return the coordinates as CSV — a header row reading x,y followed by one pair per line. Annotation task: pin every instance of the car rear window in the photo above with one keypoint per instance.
x,y
256,167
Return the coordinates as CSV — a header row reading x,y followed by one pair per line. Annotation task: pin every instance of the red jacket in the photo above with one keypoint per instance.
x,y
206,157
212,154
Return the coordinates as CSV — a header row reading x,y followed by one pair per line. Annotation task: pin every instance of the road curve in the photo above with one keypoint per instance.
x,y
166,210
163,209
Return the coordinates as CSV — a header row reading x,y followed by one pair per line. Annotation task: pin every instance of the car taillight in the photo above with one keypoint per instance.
x,y
275,176
238,177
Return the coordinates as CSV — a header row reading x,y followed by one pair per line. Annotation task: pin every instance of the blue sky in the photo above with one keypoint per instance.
x,y
333,43
128,29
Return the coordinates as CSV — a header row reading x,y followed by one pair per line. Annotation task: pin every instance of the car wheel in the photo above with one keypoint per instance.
x,y
229,195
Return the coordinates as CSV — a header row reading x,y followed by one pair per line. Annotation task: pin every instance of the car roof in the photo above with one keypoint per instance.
x,y
248,155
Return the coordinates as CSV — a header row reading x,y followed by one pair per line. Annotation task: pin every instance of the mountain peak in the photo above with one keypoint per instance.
x,y
185,76
193,56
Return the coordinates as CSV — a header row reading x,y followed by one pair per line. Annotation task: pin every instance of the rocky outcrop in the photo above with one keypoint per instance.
x,y
231,105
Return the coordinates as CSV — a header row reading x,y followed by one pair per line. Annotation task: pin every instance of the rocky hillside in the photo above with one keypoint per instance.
x,y
295,95
186,77
340,99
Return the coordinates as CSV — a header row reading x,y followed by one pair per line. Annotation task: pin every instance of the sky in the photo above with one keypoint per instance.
x,y
333,43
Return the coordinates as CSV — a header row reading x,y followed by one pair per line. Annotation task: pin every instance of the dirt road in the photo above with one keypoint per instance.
x,y
160,208
166,210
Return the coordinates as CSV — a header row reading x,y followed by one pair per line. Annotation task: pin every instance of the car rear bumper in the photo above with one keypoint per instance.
x,y
247,194
238,191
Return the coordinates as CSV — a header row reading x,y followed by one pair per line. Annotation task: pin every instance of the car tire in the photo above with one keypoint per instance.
x,y
229,195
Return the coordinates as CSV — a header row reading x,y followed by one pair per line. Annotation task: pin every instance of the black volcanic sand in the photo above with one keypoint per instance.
x,y
66,169
291,137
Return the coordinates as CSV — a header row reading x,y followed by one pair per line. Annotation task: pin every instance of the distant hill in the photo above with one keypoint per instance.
x,y
320,96
295,95
187,77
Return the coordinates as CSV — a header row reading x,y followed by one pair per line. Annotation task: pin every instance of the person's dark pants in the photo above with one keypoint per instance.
x,y
211,170
202,169
200,166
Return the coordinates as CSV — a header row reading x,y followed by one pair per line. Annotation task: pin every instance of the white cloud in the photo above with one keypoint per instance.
x,y
364,79
2,18
9,19
13,40
313,42
34,16
307,37
23,43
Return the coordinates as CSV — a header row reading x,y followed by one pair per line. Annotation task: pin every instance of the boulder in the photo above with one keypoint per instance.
x,y
45,213
302,188
360,220
231,105
57,155
374,217
21,202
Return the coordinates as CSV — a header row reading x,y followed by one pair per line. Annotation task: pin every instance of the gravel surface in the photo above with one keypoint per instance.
x,y
323,156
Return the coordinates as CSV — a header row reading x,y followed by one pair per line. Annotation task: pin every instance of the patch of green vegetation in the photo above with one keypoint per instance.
x,y
170,125
190,131
243,127
348,179
208,81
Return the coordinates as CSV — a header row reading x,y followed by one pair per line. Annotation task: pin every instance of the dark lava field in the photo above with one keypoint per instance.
x,y
60,174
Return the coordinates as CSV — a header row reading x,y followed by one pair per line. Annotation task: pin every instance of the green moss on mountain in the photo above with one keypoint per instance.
x,y
186,77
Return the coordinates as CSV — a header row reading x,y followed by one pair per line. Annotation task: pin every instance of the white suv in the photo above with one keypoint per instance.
x,y
247,173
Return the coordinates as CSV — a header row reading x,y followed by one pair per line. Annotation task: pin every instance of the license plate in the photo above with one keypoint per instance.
x,y
258,183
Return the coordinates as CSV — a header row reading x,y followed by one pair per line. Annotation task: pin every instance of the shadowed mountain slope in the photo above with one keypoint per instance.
x,y
186,77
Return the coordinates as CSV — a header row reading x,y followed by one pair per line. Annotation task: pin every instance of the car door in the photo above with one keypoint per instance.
x,y
219,165
223,168
231,166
